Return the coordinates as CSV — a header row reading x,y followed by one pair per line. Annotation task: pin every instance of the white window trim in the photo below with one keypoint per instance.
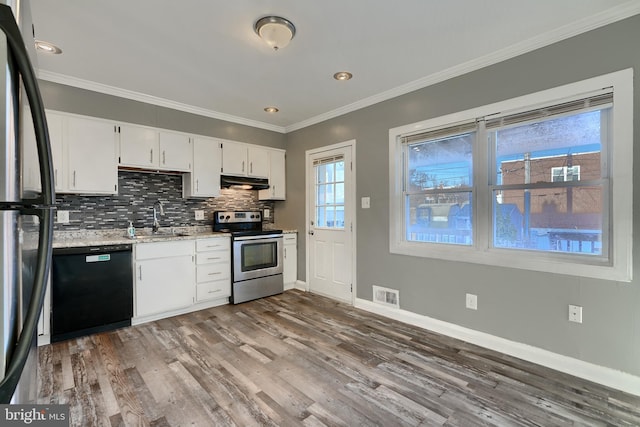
x,y
620,268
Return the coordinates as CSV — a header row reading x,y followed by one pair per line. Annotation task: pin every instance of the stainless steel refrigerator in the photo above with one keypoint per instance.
x,y
26,221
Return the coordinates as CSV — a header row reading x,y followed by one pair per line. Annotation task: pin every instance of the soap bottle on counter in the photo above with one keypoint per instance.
x,y
131,230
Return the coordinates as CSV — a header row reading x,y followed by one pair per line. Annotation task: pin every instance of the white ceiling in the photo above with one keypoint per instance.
x,y
203,56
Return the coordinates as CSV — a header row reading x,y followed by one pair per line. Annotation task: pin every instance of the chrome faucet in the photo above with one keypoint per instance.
x,y
156,222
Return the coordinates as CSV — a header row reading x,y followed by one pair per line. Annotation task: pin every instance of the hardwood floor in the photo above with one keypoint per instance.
x,y
301,359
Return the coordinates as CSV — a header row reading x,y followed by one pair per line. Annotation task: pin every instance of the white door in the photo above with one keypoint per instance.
x,y
330,215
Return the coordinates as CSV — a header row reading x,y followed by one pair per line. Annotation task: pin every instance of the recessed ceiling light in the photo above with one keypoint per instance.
x,y
271,109
343,75
48,47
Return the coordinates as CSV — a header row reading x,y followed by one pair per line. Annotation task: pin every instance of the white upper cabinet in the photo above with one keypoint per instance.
x,y
90,147
31,168
244,160
151,148
139,146
258,160
175,151
204,180
83,153
277,186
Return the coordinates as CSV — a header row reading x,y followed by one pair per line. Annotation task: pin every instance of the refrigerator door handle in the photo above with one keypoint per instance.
x,y
19,55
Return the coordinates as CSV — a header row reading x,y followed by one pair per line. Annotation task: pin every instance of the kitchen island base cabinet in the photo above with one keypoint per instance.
x,y
164,277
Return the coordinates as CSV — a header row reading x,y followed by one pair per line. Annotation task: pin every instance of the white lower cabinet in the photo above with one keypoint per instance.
x,y
164,277
213,268
290,265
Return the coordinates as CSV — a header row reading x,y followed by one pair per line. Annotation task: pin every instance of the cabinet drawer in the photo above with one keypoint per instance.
x,y
207,272
290,239
163,249
215,289
214,257
213,244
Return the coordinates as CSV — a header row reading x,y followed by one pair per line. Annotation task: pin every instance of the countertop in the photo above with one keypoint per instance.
x,y
83,238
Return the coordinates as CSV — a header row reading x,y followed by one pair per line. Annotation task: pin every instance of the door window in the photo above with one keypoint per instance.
x,y
329,192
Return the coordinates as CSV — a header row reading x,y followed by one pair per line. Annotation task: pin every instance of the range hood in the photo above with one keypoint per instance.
x,y
243,182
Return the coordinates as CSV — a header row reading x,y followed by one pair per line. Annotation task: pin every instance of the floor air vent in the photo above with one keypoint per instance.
x,y
386,296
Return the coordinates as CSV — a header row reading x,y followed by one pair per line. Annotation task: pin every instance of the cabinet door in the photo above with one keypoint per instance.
x,y
164,284
91,155
204,180
54,121
277,186
175,152
30,162
138,146
290,264
234,159
258,162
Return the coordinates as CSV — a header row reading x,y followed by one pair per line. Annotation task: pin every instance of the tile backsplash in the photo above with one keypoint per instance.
x,y
138,191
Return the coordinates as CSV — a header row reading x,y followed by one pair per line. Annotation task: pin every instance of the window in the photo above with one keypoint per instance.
x,y
531,186
329,194
438,191
565,173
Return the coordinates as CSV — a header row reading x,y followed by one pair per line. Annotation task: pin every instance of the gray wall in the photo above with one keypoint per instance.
x,y
80,101
518,305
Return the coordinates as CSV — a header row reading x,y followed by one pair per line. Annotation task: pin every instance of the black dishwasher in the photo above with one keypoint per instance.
x,y
91,290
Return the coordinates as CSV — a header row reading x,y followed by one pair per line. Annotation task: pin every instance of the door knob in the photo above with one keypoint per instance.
x,y
311,233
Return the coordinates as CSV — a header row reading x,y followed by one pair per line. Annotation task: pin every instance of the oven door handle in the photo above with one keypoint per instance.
x,y
258,237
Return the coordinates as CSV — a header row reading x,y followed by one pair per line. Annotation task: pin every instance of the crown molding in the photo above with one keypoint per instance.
x,y
154,100
610,16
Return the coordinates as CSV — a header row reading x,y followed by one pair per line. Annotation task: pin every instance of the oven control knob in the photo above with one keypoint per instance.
x,y
228,217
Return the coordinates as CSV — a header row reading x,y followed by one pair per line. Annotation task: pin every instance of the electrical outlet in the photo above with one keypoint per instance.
x,y
366,202
199,215
575,313
472,301
266,213
62,217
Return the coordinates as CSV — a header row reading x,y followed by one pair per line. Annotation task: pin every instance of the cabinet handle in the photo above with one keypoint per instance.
x,y
74,179
140,275
151,155
214,273
164,158
55,178
285,252
251,167
213,292
243,166
210,259
197,185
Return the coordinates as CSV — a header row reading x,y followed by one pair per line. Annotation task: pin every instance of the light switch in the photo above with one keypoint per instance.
x,y
199,215
366,202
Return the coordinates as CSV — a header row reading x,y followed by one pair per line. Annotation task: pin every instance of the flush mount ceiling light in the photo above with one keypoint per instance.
x,y
276,31
48,47
271,109
343,75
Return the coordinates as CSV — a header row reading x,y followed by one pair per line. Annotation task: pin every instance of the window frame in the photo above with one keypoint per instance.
x,y
619,152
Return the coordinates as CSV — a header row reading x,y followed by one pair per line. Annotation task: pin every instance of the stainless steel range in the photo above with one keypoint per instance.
x,y
257,255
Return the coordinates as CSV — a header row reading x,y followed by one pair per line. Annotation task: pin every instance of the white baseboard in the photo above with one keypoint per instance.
x,y
300,285
578,368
